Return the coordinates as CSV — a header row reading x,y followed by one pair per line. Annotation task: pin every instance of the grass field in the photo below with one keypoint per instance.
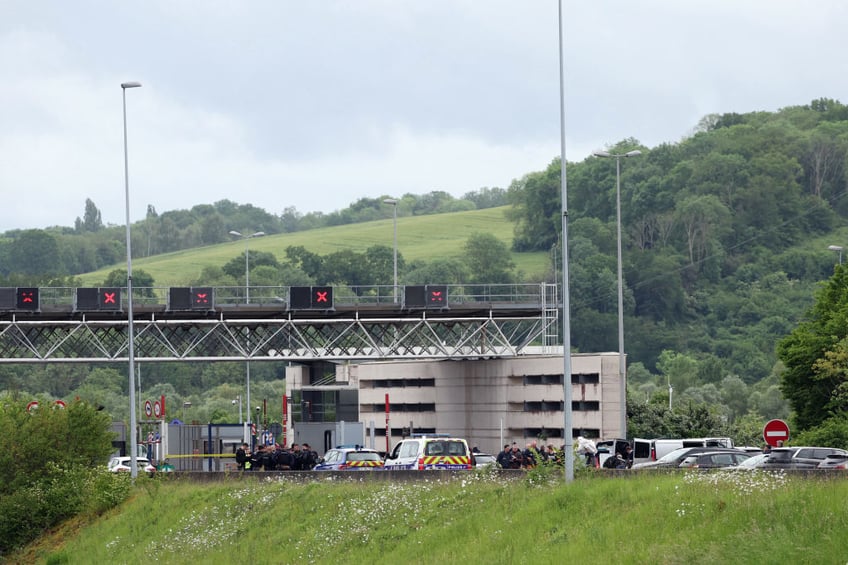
x,y
479,518
419,237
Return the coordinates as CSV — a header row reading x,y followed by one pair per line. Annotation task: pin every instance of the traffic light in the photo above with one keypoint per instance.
x,y
8,298
87,299
322,297
109,299
437,296
415,296
300,297
179,298
27,299
202,298
432,296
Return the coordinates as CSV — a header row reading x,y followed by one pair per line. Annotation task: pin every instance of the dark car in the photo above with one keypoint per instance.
x,y
350,459
676,457
714,460
800,457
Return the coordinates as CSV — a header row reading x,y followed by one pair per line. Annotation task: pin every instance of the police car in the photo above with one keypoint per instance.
x,y
350,459
430,453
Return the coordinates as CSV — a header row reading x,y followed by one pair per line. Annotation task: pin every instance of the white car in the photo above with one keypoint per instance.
x,y
123,465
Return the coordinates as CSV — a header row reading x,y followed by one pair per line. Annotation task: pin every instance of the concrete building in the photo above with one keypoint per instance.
x,y
490,402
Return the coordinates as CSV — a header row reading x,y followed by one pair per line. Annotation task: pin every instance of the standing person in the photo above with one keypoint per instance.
x,y
243,457
587,448
628,456
503,458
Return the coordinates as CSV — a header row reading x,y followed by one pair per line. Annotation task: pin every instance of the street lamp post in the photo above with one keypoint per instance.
x,y
238,399
567,414
394,203
836,248
130,337
247,239
621,367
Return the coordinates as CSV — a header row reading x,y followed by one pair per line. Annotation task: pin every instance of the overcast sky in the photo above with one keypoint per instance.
x,y
314,104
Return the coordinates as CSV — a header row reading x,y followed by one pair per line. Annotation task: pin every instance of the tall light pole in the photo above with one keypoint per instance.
x,y
130,336
836,248
394,203
621,367
568,439
247,239
238,399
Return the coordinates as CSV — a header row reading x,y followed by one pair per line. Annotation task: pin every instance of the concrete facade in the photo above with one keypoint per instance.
x,y
490,402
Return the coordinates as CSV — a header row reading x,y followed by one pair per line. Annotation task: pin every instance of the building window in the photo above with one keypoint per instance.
x,y
543,435
585,406
403,407
542,379
585,379
543,406
403,383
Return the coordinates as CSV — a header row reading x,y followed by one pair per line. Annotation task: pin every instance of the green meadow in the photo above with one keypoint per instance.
x,y
533,517
419,237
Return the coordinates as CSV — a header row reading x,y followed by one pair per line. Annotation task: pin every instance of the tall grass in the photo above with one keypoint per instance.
x,y
480,518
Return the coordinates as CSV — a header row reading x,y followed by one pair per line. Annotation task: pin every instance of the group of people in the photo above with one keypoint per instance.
x,y
276,458
513,457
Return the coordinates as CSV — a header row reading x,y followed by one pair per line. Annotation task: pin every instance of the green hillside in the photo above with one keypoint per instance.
x,y
419,237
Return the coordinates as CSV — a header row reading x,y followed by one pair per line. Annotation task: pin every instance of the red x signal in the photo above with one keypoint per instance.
x,y
321,296
110,298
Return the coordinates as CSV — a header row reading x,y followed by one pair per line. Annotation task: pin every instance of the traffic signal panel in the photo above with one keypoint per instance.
x,y
27,299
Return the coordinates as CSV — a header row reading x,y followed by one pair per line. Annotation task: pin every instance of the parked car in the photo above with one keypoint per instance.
x,y
714,460
755,461
429,453
835,461
350,459
676,457
124,465
800,457
483,460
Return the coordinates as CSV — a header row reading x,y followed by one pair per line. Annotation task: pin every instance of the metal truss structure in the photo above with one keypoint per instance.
x,y
462,332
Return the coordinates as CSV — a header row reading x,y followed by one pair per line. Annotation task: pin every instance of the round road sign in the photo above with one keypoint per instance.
x,y
32,406
157,409
775,431
148,408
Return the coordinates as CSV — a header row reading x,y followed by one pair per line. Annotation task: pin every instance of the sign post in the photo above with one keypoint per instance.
x,y
776,431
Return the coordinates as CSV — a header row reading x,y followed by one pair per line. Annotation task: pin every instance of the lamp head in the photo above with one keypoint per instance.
x,y
601,154
392,201
633,153
131,84
235,233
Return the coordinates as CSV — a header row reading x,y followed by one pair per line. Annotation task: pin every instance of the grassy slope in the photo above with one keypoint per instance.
x,y
419,237
750,518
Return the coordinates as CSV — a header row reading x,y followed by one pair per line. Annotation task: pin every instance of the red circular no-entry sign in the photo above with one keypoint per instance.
x,y
774,431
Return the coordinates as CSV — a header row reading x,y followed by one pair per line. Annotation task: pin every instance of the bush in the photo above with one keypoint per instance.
x,y
52,467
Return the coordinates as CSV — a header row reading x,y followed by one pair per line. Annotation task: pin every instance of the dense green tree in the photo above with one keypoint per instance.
x,y
488,259
35,252
813,354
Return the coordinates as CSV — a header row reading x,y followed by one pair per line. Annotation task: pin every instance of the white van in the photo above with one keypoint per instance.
x,y
659,447
429,453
